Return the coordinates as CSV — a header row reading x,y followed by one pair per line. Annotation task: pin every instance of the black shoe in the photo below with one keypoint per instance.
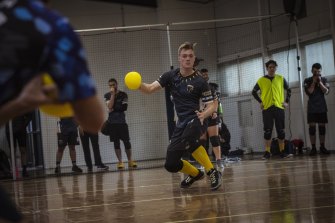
x,y
324,151
189,180
25,173
215,179
266,155
57,170
76,169
300,152
313,152
90,169
102,167
285,155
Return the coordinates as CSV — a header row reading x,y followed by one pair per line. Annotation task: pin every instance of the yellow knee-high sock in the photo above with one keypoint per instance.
x,y
267,149
201,156
281,146
189,169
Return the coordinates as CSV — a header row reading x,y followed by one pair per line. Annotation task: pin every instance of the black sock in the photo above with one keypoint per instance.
x,y
313,146
322,145
73,163
57,163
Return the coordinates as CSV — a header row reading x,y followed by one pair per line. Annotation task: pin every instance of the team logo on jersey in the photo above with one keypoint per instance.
x,y
190,88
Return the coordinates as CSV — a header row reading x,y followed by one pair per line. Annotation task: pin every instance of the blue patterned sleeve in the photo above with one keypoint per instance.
x,y
64,57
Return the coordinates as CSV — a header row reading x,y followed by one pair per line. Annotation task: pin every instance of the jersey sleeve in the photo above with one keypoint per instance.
x,y
307,84
65,59
206,93
107,96
165,79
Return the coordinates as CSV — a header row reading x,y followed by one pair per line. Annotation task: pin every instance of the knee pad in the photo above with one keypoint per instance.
x,y
215,141
173,167
267,134
127,145
281,134
312,130
322,130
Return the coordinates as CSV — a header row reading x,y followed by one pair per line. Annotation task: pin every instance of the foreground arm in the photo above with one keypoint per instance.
x,y
32,96
89,114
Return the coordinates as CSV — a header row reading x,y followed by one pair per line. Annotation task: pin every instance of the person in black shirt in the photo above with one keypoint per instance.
x,y
187,88
117,103
85,138
68,135
316,87
19,125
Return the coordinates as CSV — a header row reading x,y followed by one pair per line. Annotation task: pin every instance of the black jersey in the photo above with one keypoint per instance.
x,y
187,93
316,99
117,115
214,89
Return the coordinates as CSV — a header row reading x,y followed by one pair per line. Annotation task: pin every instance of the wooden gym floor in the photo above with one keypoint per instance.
x,y
299,189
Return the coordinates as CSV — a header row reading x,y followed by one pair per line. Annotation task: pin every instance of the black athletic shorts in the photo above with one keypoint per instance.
x,y
213,122
119,131
191,133
274,115
68,139
317,117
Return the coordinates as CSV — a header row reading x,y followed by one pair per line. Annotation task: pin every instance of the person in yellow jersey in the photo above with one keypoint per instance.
x,y
273,104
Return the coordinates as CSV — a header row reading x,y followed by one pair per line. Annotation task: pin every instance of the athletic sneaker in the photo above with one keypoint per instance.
x,y
266,155
57,170
25,173
313,152
132,164
102,167
189,180
215,178
324,151
120,165
285,155
76,169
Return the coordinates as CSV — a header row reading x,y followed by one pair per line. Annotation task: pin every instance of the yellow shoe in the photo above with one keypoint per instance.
x,y
120,165
132,164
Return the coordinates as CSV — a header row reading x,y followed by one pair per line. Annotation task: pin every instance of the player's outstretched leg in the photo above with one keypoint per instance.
x,y
194,174
215,176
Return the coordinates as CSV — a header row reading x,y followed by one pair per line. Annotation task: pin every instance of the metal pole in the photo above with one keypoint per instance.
x,y
169,105
332,23
300,79
169,45
175,24
261,33
12,149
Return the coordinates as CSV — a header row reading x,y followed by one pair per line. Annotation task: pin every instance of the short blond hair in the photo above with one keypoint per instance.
x,y
186,46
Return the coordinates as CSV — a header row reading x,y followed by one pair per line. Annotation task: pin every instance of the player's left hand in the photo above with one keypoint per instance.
x,y
35,94
285,105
